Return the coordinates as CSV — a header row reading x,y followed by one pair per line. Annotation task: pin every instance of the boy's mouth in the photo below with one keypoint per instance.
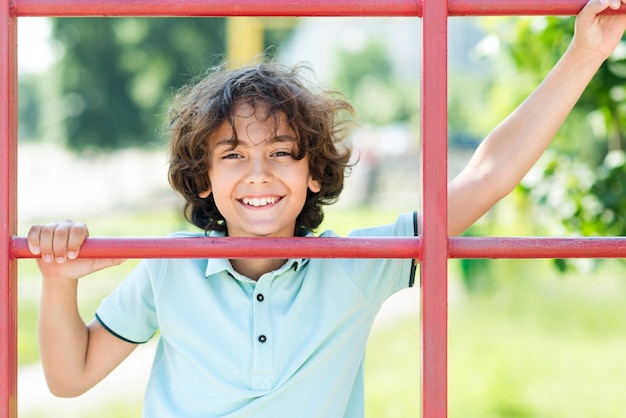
x,y
260,201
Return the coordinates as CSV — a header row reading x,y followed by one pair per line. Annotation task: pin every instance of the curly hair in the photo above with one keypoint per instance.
x,y
321,120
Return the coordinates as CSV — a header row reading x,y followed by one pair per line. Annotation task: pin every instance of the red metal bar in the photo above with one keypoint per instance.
x,y
217,8
434,230
8,210
289,7
240,248
514,7
436,246
458,247
527,247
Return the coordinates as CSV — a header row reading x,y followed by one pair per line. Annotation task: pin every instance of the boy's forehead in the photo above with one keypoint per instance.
x,y
250,126
258,110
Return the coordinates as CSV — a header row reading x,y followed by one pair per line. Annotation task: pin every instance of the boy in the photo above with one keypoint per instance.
x,y
255,153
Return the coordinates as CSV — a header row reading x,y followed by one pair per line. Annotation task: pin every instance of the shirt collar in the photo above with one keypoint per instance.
x,y
218,265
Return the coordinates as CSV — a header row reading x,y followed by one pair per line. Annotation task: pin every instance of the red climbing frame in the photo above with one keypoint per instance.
x,y
433,247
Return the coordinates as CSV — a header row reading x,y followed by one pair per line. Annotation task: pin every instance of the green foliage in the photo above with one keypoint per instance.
x,y
578,188
576,199
532,45
560,184
28,108
476,274
468,110
538,42
116,74
367,78
112,85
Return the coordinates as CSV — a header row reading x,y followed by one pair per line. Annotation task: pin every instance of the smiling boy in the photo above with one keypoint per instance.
x,y
263,182
254,152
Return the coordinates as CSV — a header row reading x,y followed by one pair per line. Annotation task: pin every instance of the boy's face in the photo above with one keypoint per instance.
x,y
257,186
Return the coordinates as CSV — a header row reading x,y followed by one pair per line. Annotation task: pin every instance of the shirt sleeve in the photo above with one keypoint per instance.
x,y
129,311
380,278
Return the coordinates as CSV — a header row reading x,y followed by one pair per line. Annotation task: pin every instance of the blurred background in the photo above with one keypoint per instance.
x,y
527,338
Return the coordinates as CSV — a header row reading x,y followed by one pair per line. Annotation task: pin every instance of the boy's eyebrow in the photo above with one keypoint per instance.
x,y
229,141
232,142
283,138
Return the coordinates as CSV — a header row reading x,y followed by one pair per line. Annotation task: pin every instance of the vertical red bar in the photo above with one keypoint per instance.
x,y
8,209
434,154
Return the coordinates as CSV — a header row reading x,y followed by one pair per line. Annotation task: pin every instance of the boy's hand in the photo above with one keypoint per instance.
x,y
59,243
599,34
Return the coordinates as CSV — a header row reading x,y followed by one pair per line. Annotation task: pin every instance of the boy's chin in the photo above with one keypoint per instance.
x,y
260,232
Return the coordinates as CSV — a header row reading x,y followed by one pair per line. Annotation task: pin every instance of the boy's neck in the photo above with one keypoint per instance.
x,y
255,268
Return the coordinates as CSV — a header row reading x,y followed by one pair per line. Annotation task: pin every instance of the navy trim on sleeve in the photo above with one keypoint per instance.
x,y
413,263
116,334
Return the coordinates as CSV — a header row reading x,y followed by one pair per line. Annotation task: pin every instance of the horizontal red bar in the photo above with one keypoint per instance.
x,y
514,7
217,8
530,247
289,7
403,247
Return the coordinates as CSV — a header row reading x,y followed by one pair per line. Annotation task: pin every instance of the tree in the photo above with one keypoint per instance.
x,y
116,73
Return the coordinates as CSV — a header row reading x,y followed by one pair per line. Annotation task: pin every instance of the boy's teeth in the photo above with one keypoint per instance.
x,y
259,201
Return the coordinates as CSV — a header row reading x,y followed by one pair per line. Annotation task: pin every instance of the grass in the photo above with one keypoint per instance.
x,y
531,344
121,410
541,345
537,345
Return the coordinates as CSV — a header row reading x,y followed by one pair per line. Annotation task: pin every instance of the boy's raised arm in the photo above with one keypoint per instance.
x,y
75,356
511,149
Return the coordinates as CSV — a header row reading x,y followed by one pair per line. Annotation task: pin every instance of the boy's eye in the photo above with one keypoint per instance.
x,y
281,154
231,156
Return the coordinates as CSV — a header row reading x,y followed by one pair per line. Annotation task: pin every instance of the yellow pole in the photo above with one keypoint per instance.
x,y
244,39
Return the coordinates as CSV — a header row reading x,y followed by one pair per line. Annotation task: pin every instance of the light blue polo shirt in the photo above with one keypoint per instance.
x,y
291,344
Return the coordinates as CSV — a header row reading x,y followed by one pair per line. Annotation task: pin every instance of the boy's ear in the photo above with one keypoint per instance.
x,y
314,185
205,194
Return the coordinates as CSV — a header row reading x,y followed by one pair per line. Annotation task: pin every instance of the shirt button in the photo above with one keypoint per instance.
x,y
260,297
262,338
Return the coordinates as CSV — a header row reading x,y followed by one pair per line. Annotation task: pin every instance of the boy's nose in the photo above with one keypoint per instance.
x,y
259,171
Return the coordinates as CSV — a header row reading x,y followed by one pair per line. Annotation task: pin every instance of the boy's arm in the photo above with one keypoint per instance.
x,y
75,356
511,149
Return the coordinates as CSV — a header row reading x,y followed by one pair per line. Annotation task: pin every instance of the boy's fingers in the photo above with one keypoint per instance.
x,y
614,4
59,241
68,237
46,241
53,241
33,239
77,234
596,6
